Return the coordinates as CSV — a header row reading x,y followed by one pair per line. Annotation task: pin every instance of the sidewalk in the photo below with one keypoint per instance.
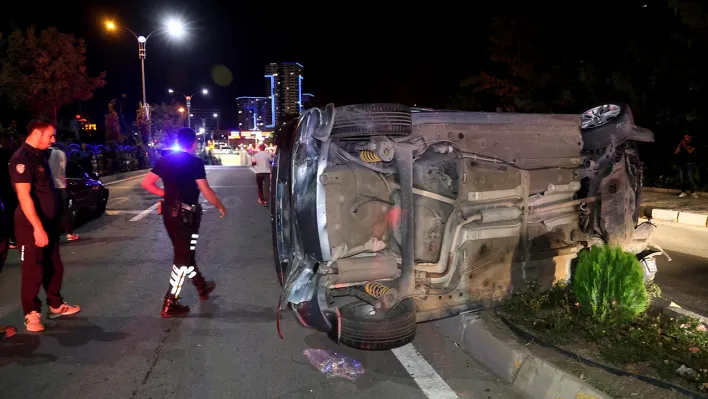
x,y
663,204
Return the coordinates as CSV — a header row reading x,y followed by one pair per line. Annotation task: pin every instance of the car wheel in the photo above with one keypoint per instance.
x,y
602,125
363,328
101,209
73,212
365,120
280,213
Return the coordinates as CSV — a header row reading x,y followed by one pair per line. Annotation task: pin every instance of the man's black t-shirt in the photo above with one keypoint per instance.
x,y
179,172
684,156
29,165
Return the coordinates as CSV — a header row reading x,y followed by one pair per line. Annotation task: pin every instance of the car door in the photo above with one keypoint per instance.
x,y
79,192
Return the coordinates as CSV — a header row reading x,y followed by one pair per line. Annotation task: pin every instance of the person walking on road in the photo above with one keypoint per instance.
x,y
57,163
6,190
36,226
183,177
5,331
261,162
686,158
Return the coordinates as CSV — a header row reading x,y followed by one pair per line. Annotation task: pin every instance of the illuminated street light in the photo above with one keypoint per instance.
x,y
173,27
217,120
216,115
181,110
188,98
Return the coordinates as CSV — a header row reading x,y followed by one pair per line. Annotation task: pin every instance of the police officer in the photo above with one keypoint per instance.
x,y
183,177
36,226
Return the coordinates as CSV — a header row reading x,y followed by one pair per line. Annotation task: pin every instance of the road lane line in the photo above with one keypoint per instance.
x,y
429,381
114,212
144,213
122,180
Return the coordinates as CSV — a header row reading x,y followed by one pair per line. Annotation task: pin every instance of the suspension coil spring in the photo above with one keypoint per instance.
x,y
376,290
369,156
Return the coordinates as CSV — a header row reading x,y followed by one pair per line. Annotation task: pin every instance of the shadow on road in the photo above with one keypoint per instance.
x,y
21,349
233,312
77,331
103,240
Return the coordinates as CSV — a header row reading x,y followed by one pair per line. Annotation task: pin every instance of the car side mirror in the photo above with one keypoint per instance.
x,y
94,175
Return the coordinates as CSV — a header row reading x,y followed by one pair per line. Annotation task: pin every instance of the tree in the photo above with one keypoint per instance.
x,y
165,120
142,124
112,123
45,72
521,76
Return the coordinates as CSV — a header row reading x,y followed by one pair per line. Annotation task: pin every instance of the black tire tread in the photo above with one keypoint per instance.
x,y
380,334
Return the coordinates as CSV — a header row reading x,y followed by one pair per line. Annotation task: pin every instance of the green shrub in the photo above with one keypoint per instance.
x,y
609,284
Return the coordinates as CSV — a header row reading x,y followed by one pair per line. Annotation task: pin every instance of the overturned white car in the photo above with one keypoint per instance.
x,y
384,216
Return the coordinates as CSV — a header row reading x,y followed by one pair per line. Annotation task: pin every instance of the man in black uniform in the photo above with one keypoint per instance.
x,y
36,226
183,176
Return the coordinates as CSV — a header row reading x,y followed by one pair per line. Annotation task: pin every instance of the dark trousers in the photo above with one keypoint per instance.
x,y
9,201
184,239
41,267
263,181
4,247
686,177
64,214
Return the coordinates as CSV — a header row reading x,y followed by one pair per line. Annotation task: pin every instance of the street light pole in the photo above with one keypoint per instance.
x,y
188,99
142,54
174,27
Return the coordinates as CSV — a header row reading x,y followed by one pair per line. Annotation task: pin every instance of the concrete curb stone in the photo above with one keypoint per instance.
x,y
511,362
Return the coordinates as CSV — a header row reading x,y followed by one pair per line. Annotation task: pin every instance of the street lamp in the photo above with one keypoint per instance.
x,y
188,98
216,116
173,27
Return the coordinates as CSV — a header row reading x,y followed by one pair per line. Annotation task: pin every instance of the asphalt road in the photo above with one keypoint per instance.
x,y
684,280
120,347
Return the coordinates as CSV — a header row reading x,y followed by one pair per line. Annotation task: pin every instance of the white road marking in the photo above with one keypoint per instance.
x,y
144,213
432,385
252,169
114,212
122,180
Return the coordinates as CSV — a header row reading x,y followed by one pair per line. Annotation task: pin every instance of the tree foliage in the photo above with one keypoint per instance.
x,y
609,284
45,71
112,123
165,120
142,124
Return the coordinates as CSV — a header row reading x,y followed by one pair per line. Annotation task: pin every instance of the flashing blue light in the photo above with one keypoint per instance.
x,y
176,147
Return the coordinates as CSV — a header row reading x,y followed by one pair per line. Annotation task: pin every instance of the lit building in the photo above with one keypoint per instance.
x,y
284,89
253,112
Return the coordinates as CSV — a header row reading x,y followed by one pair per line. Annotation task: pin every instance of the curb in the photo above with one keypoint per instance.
x,y
672,309
122,176
670,215
670,191
511,362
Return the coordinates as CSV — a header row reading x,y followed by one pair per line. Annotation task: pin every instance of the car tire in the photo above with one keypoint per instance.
x,y
600,131
101,209
73,212
393,330
366,120
280,213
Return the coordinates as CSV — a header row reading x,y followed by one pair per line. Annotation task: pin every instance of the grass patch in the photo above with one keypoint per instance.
x,y
661,343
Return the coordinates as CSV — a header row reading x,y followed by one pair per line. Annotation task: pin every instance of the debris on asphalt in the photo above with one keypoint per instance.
x,y
333,364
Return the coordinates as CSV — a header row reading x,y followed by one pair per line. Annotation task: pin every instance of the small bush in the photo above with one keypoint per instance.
x,y
609,284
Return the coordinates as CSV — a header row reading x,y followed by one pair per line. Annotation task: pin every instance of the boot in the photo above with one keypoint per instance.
x,y
205,289
172,308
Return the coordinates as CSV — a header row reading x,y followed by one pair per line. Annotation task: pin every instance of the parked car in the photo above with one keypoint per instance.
x,y
384,216
87,195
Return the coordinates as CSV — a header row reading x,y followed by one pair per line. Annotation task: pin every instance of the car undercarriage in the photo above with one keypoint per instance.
x,y
384,216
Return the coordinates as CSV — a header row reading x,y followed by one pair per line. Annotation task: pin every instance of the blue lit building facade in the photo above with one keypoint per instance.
x,y
284,90
253,112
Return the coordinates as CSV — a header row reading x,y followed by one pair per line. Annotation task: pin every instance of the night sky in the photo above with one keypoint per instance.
x,y
361,52
349,55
